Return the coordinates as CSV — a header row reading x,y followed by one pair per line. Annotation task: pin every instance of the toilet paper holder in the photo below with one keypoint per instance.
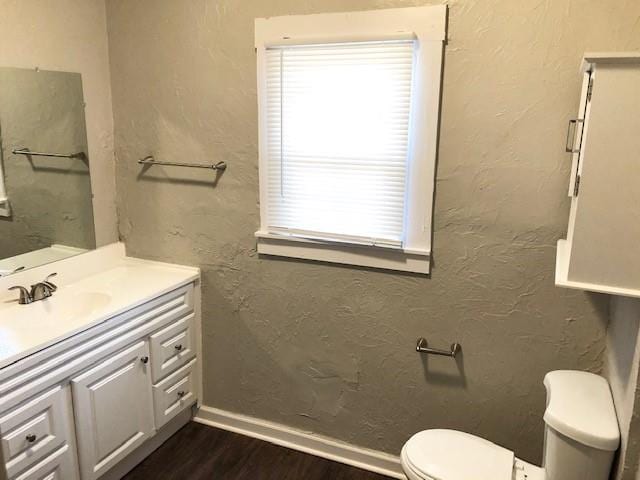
x,y
423,347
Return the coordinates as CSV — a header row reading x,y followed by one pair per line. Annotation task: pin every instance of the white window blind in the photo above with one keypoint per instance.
x,y
337,123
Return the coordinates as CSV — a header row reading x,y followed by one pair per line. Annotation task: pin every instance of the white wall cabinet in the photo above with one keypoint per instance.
x,y
601,250
81,407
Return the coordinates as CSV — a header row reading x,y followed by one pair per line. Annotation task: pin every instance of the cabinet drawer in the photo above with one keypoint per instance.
x,y
172,347
60,465
35,429
174,394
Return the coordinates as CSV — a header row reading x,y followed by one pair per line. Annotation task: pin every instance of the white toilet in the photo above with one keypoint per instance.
x,y
581,437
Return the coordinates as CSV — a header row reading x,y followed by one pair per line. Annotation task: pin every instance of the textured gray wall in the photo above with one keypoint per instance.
x,y
50,197
331,349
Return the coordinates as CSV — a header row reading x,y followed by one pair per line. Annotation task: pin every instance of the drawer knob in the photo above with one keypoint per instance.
x,y
178,347
181,393
31,438
144,360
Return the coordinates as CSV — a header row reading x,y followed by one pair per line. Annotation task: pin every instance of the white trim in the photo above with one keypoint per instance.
x,y
283,236
428,25
320,446
364,256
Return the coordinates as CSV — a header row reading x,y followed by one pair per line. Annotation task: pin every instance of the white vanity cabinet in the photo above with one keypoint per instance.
x,y
80,407
601,250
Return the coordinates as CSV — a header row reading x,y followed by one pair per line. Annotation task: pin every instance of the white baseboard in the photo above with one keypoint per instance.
x,y
289,437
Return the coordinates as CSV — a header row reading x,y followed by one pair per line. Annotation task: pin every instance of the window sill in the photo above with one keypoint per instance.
x,y
417,261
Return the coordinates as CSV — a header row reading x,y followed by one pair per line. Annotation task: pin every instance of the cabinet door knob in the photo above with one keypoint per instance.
x,y
181,393
178,347
144,360
31,438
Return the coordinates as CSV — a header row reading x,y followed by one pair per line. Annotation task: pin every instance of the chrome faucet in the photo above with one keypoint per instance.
x,y
39,291
44,289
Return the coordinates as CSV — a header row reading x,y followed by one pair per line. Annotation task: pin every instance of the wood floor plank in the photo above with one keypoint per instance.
x,y
199,452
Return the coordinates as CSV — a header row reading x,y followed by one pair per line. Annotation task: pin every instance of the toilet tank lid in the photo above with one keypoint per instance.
x,y
580,406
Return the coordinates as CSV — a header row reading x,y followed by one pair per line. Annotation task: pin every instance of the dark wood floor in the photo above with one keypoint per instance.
x,y
198,452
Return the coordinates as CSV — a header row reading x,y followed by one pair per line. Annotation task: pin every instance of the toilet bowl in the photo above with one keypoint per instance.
x,y
581,437
453,455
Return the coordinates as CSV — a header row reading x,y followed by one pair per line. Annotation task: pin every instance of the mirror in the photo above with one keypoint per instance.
x,y
46,211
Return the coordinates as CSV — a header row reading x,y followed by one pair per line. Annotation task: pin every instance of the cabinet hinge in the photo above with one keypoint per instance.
x,y
590,90
576,186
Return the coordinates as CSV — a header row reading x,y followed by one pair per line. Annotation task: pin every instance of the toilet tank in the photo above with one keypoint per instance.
x,y
581,432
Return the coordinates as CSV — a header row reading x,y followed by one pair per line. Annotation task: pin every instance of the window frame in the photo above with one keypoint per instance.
x,y
427,25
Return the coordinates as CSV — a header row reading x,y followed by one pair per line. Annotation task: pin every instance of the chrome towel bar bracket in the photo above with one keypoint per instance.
x,y
422,347
149,160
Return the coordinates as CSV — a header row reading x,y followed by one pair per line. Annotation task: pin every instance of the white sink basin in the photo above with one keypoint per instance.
x,y
24,327
61,307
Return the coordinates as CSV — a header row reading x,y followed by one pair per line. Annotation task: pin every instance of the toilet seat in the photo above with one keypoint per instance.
x,y
453,455
408,470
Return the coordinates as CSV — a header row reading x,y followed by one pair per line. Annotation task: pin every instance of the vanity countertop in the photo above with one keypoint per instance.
x,y
83,303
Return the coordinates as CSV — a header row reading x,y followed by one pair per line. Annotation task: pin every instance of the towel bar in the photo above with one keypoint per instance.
x,y
422,347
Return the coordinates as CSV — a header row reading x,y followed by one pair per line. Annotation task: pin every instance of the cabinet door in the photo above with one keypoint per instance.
x,y
36,428
113,409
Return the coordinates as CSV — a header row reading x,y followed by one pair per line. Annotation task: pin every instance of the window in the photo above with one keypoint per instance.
x,y
348,108
338,137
